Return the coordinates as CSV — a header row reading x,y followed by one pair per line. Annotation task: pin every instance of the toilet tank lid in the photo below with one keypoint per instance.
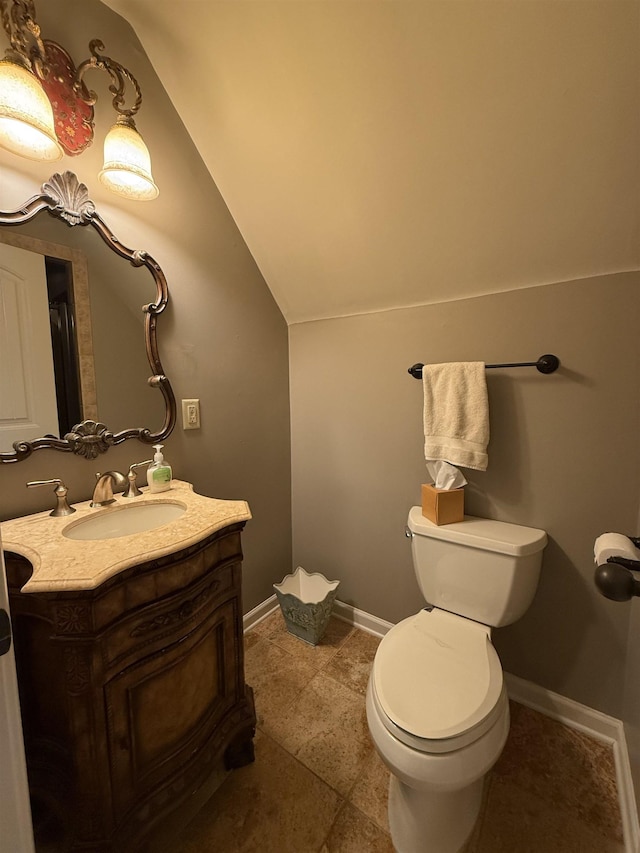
x,y
499,536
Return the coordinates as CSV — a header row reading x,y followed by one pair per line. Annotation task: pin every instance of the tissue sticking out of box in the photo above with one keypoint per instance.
x,y
445,476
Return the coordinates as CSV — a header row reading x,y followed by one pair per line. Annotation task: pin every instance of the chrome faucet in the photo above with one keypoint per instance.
x,y
106,484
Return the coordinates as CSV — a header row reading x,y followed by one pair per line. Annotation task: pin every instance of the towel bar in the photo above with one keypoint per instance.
x,y
545,364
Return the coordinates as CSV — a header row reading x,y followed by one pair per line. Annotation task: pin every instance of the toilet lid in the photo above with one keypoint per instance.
x,y
437,675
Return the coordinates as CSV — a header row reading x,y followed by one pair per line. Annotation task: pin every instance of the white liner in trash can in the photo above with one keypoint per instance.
x,y
306,601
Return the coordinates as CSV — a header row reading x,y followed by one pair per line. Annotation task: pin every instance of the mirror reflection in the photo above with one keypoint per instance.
x,y
76,343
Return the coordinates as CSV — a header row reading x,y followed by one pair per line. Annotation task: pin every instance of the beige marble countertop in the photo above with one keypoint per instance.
x,y
60,563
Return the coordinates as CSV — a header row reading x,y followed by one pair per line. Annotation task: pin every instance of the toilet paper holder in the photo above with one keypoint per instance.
x,y
615,579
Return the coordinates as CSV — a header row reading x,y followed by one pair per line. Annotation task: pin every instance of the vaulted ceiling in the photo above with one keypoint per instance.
x,y
380,154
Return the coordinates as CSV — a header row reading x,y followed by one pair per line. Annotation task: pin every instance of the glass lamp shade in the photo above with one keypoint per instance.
x,y
26,116
127,164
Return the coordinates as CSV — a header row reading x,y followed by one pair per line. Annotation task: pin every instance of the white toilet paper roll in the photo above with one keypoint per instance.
x,y
614,545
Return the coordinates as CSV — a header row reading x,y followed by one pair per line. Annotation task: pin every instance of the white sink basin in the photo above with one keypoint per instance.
x,y
123,521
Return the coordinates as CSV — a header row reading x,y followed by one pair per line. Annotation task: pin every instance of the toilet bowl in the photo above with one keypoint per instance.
x,y
438,715
437,707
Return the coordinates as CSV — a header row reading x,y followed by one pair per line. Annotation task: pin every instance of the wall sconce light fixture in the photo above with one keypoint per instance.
x,y
46,109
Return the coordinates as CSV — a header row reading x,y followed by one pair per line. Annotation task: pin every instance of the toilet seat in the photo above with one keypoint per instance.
x,y
437,681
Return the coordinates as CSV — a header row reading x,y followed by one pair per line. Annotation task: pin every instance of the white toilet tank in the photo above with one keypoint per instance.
x,y
484,570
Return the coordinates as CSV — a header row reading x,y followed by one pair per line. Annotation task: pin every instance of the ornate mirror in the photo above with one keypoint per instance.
x,y
72,358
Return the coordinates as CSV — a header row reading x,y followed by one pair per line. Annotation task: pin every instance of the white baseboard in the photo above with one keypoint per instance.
x,y
567,711
264,609
345,612
361,619
595,724
587,720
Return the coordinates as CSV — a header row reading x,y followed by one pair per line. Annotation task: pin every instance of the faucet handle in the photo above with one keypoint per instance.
x,y
62,507
132,489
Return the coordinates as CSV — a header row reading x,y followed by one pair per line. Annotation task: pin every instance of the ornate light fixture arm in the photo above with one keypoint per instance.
x,y
19,22
46,109
118,74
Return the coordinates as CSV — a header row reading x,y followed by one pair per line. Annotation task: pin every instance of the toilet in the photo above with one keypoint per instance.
x,y
437,706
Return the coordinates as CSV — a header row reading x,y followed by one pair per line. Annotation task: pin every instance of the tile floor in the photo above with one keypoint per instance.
x,y
317,785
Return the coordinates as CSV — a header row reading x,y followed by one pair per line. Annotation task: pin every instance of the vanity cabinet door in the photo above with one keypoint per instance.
x,y
133,694
163,712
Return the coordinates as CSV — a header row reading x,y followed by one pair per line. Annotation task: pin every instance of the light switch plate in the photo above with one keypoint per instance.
x,y
191,414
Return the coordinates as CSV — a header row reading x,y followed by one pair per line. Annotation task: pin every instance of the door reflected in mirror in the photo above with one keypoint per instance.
x,y
78,313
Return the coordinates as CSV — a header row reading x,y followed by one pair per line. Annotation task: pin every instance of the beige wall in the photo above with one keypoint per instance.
x,y
563,456
222,338
380,154
631,706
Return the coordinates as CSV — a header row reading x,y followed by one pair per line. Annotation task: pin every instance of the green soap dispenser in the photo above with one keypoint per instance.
x,y
159,472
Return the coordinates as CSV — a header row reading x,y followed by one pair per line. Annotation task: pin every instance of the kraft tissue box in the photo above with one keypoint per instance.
x,y
442,506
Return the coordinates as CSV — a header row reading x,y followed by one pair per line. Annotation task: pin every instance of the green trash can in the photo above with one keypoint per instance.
x,y
306,601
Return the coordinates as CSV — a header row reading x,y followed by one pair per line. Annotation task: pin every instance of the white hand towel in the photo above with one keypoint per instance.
x,y
456,413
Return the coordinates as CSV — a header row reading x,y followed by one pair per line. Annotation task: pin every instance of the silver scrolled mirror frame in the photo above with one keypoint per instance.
x,y
65,197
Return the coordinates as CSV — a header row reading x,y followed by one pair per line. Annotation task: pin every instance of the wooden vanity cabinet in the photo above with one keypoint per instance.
x,y
133,694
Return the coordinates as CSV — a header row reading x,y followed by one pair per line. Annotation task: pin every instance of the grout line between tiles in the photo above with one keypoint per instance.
x,y
342,807
345,798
